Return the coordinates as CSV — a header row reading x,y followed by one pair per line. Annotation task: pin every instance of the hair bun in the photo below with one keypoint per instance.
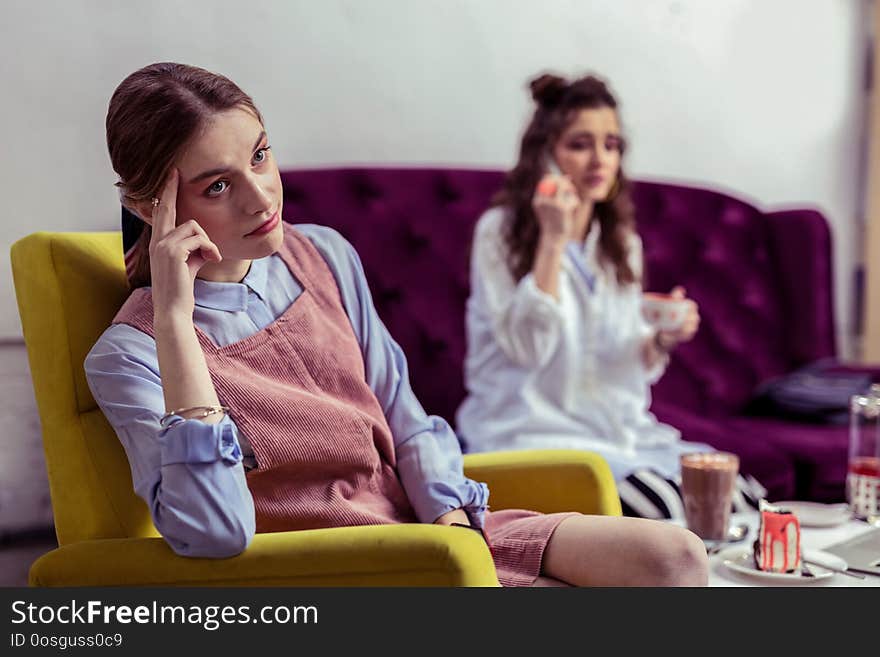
x,y
547,89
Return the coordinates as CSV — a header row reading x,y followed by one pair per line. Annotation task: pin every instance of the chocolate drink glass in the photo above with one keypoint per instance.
x,y
707,484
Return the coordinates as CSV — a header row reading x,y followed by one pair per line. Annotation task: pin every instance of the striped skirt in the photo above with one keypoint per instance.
x,y
646,494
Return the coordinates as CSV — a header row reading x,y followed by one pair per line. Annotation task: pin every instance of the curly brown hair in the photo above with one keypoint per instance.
x,y
558,101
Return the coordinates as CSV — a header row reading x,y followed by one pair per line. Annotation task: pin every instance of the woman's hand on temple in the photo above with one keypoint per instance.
x,y
177,253
554,204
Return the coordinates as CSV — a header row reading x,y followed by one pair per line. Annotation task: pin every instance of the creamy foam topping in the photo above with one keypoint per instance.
x,y
710,461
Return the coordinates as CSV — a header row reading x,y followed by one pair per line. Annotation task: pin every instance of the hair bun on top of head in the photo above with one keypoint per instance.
x,y
547,89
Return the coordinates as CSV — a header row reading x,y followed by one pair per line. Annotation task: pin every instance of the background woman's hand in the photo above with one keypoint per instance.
x,y
554,204
689,326
177,253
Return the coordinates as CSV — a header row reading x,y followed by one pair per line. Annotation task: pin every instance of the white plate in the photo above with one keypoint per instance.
x,y
740,560
815,514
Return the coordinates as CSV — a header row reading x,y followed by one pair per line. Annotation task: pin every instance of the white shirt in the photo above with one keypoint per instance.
x,y
566,373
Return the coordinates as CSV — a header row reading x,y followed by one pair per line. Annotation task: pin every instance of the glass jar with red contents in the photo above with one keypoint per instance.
x,y
863,474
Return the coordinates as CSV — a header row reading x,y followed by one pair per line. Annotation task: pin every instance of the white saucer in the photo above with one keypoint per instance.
x,y
815,514
740,560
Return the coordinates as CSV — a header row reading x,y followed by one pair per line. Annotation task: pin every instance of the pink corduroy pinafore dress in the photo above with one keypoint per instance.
x,y
325,455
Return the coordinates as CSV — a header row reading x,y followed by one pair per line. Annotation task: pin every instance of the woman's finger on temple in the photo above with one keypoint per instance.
x,y
165,214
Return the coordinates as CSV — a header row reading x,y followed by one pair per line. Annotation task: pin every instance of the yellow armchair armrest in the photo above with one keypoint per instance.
x,y
379,555
547,480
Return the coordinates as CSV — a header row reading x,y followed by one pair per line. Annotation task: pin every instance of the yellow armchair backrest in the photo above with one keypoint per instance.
x,y
69,286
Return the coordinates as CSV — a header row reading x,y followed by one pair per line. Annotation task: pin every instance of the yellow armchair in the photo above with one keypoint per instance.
x,y
69,286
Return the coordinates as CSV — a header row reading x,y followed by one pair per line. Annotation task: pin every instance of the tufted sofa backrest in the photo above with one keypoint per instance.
x,y
762,280
763,283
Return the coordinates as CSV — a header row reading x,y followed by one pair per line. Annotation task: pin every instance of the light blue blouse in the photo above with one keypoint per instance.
x,y
192,474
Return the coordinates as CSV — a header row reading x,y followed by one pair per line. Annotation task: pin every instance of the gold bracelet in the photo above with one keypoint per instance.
x,y
205,412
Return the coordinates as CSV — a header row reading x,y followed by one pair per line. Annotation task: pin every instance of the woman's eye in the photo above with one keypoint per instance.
x,y
262,155
217,187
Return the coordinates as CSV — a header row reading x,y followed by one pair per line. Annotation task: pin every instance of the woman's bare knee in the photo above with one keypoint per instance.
x,y
681,560
606,551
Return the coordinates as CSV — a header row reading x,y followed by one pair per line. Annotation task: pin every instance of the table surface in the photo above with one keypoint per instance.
x,y
812,538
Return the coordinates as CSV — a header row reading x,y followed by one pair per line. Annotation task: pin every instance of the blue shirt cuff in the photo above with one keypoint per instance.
x,y
194,441
476,513
442,497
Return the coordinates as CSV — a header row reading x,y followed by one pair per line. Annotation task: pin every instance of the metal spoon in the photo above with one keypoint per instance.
x,y
735,534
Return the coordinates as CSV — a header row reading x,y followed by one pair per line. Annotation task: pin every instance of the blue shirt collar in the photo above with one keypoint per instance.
x,y
233,297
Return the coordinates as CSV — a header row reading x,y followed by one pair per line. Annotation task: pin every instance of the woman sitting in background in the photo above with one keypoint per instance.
x,y
254,387
559,355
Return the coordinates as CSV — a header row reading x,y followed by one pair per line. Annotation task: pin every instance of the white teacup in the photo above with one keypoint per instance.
x,y
664,312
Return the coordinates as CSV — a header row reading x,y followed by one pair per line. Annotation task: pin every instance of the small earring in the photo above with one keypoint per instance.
x,y
155,203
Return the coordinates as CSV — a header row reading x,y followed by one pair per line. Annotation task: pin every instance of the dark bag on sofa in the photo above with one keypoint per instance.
x,y
818,393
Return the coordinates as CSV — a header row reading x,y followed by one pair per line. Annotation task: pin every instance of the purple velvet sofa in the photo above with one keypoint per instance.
x,y
763,282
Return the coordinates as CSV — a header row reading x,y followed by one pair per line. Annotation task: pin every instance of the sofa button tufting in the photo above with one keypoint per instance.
x,y
446,194
389,295
417,241
365,191
293,195
433,346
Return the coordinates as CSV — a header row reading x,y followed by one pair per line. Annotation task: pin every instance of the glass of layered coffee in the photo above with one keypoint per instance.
x,y
708,480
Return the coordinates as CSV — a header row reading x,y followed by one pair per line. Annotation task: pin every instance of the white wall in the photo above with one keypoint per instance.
x,y
758,96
